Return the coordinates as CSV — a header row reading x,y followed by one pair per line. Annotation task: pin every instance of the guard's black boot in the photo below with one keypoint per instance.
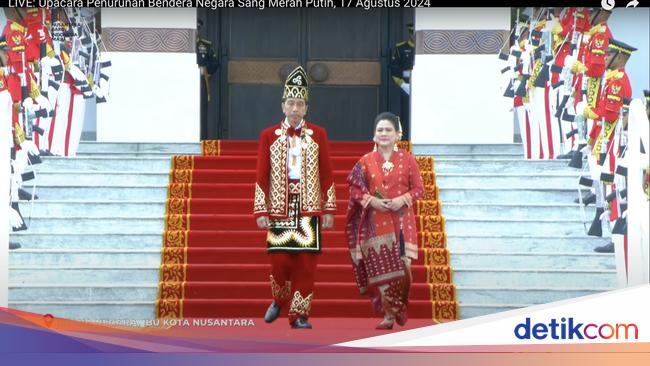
x,y
607,248
587,199
25,196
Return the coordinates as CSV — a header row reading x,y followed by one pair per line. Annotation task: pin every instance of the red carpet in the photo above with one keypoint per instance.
x,y
214,262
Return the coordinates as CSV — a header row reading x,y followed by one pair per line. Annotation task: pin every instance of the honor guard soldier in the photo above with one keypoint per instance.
x,y
401,65
401,62
206,58
608,115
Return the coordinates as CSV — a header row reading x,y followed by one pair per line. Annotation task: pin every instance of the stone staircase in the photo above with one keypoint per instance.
x,y
93,247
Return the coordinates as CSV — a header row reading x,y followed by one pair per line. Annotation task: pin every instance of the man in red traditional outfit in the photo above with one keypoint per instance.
x,y
294,187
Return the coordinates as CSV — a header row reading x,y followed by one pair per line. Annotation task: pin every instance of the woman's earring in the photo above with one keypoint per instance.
x,y
395,147
374,148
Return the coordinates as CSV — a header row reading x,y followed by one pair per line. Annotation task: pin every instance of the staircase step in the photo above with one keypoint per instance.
x,y
74,240
77,257
476,149
526,294
50,208
152,225
208,290
236,255
327,290
97,225
522,227
107,178
478,194
195,148
550,244
514,195
247,166
357,308
473,310
105,163
171,148
153,154
455,180
249,147
206,309
331,239
569,211
535,276
100,191
330,273
90,311
533,180
95,311
71,275
240,206
83,292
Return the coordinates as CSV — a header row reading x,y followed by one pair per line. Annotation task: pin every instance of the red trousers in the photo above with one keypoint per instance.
x,y
292,281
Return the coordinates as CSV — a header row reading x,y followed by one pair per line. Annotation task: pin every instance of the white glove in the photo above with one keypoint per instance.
x,y
76,73
580,108
30,147
406,87
15,218
28,104
569,60
20,162
605,215
16,182
44,103
525,63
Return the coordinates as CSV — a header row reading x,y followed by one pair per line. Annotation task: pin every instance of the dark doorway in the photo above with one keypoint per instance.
x,y
344,51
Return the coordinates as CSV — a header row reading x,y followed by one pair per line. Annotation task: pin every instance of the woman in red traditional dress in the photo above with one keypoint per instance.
x,y
381,228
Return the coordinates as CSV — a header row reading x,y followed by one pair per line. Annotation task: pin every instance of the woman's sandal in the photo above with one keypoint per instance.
x,y
401,318
385,325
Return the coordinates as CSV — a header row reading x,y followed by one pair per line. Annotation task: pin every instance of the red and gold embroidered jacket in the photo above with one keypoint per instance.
x,y
317,189
616,91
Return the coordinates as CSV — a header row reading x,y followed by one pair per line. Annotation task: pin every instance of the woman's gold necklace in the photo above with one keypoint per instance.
x,y
387,166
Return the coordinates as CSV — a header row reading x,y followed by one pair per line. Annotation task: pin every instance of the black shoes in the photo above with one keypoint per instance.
x,y
301,323
45,153
25,196
607,248
587,199
13,245
272,312
568,155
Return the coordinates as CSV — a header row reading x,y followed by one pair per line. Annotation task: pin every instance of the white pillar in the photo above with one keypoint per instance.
x,y
5,173
5,145
154,86
456,93
637,216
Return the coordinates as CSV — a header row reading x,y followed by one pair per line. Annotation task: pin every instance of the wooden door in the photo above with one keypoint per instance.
x,y
344,51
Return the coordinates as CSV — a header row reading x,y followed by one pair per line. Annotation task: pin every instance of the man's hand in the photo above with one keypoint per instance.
x,y
328,221
262,222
